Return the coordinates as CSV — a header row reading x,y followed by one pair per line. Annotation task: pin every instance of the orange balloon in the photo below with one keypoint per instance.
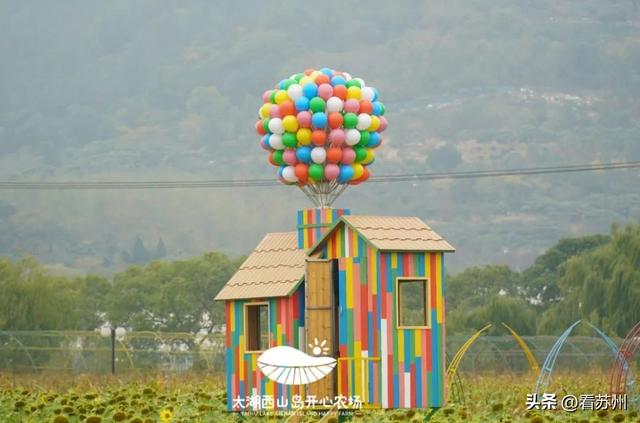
x,y
308,71
322,79
335,120
272,161
334,155
365,107
340,91
287,108
302,172
318,137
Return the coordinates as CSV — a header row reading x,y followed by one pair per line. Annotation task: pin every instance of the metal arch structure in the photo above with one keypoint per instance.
x,y
622,378
11,337
456,387
547,367
452,370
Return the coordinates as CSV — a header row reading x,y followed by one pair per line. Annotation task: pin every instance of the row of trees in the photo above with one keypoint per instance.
x,y
162,296
595,277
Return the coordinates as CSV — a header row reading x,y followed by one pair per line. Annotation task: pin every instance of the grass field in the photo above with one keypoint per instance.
x,y
197,398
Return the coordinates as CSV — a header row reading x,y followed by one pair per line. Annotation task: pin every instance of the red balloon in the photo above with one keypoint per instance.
x,y
318,137
334,155
259,129
287,108
335,120
322,79
366,107
302,172
340,91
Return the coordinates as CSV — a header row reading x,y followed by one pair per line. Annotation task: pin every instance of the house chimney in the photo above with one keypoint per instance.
x,y
314,223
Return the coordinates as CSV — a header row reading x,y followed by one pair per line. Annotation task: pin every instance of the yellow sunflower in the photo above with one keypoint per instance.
x,y
165,415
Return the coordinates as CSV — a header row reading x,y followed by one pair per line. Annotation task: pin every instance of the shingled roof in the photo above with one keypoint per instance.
x,y
393,233
273,269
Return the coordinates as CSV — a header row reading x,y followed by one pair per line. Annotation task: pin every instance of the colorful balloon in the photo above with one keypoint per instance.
x,y
321,125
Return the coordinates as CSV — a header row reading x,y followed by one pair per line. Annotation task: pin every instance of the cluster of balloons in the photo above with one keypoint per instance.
x,y
321,125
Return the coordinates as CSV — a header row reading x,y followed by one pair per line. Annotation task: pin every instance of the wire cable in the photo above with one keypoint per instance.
x,y
247,183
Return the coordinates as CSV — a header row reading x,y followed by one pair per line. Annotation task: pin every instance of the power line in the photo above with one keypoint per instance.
x,y
245,183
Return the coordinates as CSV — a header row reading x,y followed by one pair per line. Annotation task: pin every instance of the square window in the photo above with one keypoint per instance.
x,y
257,326
412,303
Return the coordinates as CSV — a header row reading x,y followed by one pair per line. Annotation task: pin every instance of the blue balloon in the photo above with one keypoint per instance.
x,y
375,94
327,72
282,84
319,120
303,154
280,169
377,108
338,80
374,141
265,140
346,174
302,103
310,90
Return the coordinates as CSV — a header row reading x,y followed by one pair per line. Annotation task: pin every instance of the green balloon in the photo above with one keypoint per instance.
x,y
289,140
265,125
361,154
382,108
298,76
277,157
272,96
317,105
365,136
353,83
350,120
316,172
288,83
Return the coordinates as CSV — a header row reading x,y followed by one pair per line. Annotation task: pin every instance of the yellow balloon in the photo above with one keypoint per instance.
x,y
375,124
281,96
358,170
264,110
305,80
354,93
315,74
370,157
304,136
290,123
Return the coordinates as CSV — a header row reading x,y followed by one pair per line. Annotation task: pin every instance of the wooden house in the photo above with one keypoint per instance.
x,y
372,287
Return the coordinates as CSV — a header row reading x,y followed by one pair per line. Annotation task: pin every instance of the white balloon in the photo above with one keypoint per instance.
x,y
334,104
367,93
361,81
275,141
294,91
347,76
364,121
275,126
353,137
318,155
289,174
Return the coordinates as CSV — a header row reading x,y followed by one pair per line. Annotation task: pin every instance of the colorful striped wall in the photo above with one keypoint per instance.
x,y
405,368
313,223
286,323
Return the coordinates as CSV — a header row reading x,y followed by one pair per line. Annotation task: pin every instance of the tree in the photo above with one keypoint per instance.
x,y
161,250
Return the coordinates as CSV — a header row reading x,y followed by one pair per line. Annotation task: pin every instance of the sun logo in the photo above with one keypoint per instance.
x,y
318,348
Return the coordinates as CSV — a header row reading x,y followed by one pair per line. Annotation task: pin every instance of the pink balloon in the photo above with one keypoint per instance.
x,y
337,137
383,124
274,111
325,91
289,157
331,171
304,119
265,96
348,155
351,106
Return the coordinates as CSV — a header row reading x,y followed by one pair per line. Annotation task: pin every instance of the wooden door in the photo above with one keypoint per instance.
x,y
320,320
